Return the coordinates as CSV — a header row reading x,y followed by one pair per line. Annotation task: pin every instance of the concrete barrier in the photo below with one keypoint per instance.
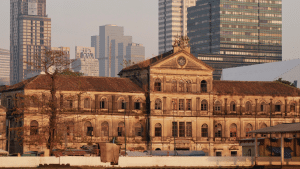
x,y
10,162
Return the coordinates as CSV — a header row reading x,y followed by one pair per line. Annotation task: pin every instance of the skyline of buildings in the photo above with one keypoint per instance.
x,y
235,33
85,61
172,22
4,67
30,35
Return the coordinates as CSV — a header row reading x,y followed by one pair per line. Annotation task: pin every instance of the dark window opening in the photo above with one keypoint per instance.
x,y
277,108
204,130
204,105
137,105
157,85
189,129
203,86
174,129
233,153
157,130
181,129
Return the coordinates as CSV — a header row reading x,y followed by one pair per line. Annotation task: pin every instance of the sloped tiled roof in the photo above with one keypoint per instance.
x,y
254,88
84,83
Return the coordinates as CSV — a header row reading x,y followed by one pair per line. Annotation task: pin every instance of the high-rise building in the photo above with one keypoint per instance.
x,y
4,67
30,35
112,49
66,55
227,34
95,42
85,61
172,22
135,53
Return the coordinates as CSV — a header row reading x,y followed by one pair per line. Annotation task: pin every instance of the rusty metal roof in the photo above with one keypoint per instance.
x,y
280,128
83,83
254,88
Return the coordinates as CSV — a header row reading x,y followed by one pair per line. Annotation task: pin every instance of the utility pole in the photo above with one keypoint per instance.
x,y
109,61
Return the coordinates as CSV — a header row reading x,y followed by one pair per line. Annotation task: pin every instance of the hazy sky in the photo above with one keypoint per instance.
x,y
75,21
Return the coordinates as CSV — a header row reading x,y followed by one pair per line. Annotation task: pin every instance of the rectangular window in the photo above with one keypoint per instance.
x,y
102,104
204,132
89,131
123,105
189,129
70,104
174,104
157,131
277,108
218,153
174,129
181,104
181,129
188,104
137,105
203,107
233,153
120,131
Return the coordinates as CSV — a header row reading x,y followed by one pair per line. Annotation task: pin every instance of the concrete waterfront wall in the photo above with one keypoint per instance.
x,y
11,162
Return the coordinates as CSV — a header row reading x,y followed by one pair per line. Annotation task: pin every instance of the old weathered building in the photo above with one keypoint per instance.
x,y
171,96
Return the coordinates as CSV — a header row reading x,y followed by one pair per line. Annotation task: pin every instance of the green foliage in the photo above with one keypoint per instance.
x,y
68,72
285,82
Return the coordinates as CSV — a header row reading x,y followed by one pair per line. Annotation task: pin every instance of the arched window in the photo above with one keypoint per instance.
x,y
104,128
292,107
103,103
70,128
263,107
174,86
232,106
188,86
158,104
218,130
121,129
137,104
248,107
122,104
277,107
248,128
157,85
233,129
203,86
157,130
217,106
203,105
181,86
138,129
88,128
87,103
34,127
204,130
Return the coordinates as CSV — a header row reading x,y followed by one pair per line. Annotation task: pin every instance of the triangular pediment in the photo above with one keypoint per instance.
x,y
182,60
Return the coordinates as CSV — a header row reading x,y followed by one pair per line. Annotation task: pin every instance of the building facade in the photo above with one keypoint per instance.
x,y
172,22
30,35
85,61
135,53
5,67
95,42
112,49
235,33
169,102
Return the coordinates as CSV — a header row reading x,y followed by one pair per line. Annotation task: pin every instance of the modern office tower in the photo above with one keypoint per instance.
x,y
134,53
85,61
30,35
4,67
112,49
227,34
66,52
172,22
95,42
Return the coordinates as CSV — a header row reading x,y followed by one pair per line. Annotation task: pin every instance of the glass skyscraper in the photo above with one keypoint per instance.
x,y
172,22
30,35
230,33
